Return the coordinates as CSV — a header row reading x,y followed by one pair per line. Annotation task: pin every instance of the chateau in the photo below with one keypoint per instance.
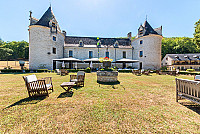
x,y
47,42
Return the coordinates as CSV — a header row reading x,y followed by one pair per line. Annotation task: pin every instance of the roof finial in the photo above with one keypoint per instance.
x,y
50,2
146,17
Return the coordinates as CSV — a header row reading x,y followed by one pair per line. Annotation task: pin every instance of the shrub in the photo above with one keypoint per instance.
x,y
109,69
190,70
88,70
42,70
125,71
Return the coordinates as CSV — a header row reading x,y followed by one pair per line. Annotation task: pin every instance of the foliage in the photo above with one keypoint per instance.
x,y
125,71
107,69
178,45
196,38
88,70
19,49
190,70
163,68
105,59
5,53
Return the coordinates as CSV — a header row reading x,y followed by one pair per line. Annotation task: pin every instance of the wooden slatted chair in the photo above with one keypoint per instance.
x,y
37,87
78,79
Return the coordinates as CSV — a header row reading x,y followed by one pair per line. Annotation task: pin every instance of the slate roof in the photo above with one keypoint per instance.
x,y
184,57
45,19
148,29
94,40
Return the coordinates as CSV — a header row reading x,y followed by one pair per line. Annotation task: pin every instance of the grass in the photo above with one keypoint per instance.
x,y
139,104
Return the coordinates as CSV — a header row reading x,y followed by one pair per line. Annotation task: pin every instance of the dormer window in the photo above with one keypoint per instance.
x,y
176,57
53,24
140,32
99,43
80,43
116,44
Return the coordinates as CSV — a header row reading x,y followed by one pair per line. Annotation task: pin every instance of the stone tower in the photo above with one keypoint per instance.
x,y
46,42
147,47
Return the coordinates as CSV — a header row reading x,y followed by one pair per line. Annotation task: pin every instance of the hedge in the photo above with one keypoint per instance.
x,y
125,71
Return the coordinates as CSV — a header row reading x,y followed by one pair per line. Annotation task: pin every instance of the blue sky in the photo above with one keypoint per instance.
x,y
101,18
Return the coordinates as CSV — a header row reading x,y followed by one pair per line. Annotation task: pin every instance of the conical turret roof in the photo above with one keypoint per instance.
x,y
45,19
148,29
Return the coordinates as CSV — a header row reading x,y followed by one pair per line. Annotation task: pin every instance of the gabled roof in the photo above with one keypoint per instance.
x,y
184,57
148,29
45,19
94,40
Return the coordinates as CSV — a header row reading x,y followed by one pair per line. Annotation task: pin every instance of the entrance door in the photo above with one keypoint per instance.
x,y
140,65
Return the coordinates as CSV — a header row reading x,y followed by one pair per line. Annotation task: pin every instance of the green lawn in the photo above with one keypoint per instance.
x,y
139,104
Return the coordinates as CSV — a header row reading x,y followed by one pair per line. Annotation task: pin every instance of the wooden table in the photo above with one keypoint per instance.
x,y
69,85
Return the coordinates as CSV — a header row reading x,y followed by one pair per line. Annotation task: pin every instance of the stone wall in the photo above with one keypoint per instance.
x,y
107,76
41,45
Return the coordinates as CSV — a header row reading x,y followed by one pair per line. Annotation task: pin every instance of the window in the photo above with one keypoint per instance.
x,y
90,54
141,53
116,44
54,50
141,41
166,59
70,53
54,38
124,54
80,43
53,24
107,54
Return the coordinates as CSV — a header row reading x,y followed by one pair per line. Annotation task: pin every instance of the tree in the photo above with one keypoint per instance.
x,y
5,53
197,33
178,45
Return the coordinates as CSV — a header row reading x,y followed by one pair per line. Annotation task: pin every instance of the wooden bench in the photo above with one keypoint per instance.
x,y
37,87
188,89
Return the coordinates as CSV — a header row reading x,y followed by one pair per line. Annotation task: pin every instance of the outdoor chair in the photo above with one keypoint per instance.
x,y
197,77
78,79
136,72
146,72
37,87
63,72
158,72
57,71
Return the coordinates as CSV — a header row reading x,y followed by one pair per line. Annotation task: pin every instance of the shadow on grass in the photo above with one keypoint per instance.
x,y
109,83
192,106
27,101
66,94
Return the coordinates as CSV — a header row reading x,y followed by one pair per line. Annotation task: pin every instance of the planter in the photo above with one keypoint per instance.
x,y
107,76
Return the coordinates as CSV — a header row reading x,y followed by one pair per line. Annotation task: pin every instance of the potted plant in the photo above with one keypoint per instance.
x,y
106,62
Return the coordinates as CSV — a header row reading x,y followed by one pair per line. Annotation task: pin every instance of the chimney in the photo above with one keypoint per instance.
x,y
129,35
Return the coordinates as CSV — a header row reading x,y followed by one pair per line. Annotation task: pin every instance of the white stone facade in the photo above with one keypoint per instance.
x,y
46,42
151,48
41,46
